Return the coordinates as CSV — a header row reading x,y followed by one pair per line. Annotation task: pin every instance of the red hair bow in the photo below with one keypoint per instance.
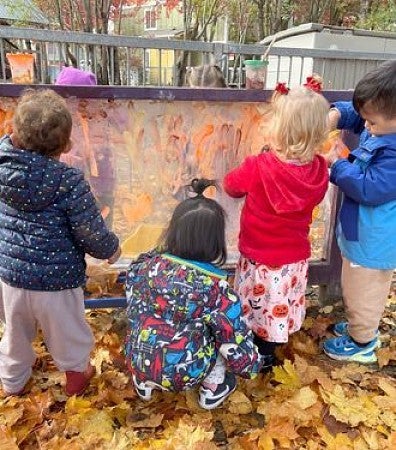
x,y
282,88
313,84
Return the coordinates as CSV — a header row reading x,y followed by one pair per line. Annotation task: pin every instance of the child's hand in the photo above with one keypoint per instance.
x,y
115,257
335,153
333,118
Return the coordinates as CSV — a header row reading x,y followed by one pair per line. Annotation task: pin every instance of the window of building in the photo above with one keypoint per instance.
x,y
150,19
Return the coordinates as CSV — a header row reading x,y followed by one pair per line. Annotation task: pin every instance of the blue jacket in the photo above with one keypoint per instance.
x,y
48,221
366,231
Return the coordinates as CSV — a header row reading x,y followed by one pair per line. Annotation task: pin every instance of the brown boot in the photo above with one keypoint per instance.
x,y
77,382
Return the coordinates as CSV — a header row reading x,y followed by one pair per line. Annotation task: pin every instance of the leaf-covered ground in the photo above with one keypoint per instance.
x,y
309,402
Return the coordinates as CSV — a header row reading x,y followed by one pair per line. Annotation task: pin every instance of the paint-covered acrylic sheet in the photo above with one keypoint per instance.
x,y
139,155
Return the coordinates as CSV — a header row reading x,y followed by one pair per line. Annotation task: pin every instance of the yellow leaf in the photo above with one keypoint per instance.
x,y
287,375
239,403
265,442
77,405
101,355
188,436
338,442
10,414
305,397
96,425
7,441
353,410
387,388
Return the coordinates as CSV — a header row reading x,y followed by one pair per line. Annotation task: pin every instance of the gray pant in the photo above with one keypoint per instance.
x,y
61,317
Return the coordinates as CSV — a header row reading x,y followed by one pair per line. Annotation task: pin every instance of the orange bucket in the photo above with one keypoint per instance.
x,y
21,67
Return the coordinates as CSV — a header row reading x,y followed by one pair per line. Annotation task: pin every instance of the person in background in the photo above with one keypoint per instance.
x,y
185,328
281,186
75,77
48,222
366,229
205,76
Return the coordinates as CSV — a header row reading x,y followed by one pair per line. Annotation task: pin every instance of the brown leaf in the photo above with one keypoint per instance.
x,y
320,327
138,420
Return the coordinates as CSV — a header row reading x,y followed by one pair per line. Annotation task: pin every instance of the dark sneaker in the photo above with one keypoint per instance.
x,y
344,348
269,362
212,398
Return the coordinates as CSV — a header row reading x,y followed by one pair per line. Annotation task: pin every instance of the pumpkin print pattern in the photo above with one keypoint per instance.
x,y
273,298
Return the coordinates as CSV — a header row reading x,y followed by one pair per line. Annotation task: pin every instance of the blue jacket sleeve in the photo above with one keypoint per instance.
x,y
86,223
233,339
371,186
350,119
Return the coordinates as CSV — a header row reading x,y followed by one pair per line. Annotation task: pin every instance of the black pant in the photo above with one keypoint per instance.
x,y
264,347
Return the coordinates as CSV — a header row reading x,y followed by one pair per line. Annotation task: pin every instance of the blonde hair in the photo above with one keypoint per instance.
x,y
205,76
42,123
299,124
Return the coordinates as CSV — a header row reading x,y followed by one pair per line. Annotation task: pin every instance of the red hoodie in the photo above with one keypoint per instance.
x,y
280,198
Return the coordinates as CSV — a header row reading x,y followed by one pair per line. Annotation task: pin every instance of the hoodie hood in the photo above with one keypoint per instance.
x,y
292,187
75,77
28,181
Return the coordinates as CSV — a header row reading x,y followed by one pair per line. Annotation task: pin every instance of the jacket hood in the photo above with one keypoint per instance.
x,y
28,181
292,187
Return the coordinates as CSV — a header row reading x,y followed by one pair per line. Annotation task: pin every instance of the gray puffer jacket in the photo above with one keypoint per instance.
x,y
48,221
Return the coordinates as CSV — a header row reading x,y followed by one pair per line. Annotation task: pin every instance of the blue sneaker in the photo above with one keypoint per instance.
x,y
343,348
340,328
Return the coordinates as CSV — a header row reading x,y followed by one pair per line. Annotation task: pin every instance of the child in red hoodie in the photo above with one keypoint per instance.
x,y
281,188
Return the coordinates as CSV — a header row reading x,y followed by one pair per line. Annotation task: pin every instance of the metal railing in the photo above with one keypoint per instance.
x,y
136,61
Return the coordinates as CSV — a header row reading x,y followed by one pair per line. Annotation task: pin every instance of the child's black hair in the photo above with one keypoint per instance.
x,y
378,89
197,227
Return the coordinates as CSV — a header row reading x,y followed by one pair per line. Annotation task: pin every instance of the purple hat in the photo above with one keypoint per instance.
x,y
73,76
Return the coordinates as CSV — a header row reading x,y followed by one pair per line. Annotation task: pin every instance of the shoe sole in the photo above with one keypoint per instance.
x,y
219,402
360,358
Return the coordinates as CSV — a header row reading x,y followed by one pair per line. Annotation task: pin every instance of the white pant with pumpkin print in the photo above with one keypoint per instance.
x,y
273,298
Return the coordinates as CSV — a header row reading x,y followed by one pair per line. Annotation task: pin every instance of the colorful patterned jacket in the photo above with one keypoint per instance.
x,y
181,315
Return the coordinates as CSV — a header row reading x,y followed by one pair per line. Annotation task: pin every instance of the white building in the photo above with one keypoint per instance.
x,y
338,73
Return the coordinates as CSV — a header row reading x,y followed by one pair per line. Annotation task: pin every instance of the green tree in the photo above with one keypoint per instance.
x,y
380,15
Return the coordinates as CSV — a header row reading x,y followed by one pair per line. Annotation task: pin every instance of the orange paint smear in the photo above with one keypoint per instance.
x,y
88,151
135,213
199,138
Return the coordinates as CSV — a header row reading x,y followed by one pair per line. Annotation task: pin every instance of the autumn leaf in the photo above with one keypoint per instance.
x,y
7,440
240,403
305,397
354,409
286,375
134,420
339,442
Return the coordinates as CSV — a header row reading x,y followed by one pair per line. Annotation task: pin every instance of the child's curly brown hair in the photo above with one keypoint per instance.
x,y
42,123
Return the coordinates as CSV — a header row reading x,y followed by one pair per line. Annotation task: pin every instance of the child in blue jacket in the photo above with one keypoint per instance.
x,y
185,321
366,230
48,222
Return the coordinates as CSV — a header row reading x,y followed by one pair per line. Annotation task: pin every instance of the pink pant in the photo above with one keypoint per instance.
x,y
61,317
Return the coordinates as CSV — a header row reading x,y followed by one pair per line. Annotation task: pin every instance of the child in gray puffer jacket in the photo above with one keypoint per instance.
x,y
48,222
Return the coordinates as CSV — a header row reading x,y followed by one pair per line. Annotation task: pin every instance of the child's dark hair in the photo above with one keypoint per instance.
x,y
197,227
42,123
378,89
